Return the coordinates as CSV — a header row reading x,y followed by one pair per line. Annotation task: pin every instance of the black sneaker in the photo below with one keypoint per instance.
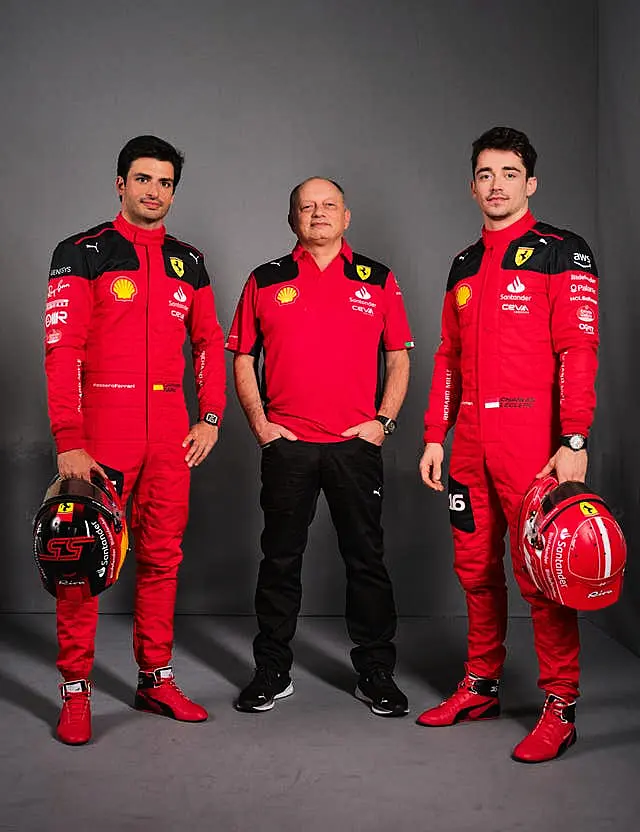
x,y
262,691
378,690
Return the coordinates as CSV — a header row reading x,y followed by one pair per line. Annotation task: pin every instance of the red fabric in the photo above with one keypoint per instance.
x,y
114,368
515,369
321,349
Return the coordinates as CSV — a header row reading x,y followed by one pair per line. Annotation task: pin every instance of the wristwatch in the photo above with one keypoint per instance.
x,y
389,425
211,419
575,441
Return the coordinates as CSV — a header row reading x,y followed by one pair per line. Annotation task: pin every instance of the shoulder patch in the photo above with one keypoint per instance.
x,y
184,262
364,269
276,271
93,252
465,264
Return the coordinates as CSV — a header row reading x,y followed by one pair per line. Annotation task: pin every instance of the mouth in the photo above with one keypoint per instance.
x,y
150,204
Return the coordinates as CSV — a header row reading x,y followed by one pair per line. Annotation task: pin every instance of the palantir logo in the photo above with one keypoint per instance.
x,y
516,287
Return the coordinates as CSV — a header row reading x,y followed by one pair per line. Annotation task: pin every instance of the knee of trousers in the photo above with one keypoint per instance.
x,y
159,562
479,577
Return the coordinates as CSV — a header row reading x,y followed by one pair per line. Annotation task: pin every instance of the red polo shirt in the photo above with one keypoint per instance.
x,y
321,333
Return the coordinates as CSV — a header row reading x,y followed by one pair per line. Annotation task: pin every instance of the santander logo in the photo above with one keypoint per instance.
x,y
516,287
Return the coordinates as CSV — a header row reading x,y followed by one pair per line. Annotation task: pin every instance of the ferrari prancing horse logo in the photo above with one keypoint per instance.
x,y
178,265
363,272
522,255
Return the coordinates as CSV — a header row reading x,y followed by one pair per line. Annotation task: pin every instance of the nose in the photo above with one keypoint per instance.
x,y
152,189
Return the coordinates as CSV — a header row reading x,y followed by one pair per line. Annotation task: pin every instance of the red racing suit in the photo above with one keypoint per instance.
x,y
514,371
120,301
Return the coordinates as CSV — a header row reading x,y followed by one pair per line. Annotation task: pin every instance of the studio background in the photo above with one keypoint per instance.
x,y
385,97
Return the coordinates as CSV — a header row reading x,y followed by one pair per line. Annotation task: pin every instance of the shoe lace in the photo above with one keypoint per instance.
x,y
383,678
75,705
552,713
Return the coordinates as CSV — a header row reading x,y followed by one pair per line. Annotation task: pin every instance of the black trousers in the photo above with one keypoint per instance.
x,y
350,474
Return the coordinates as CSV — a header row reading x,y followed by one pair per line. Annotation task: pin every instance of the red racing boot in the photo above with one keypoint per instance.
x,y
554,732
74,724
476,698
158,693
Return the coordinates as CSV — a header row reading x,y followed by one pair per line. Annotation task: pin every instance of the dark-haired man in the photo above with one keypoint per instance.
x,y
321,315
121,298
515,373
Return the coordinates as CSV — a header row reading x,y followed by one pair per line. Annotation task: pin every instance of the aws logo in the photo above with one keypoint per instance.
x,y
287,294
123,288
463,295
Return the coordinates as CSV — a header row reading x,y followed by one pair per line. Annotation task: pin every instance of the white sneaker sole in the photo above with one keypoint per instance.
x,y
269,705
374,709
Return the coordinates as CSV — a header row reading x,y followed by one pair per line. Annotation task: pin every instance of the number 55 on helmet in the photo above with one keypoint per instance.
x,y
80,537
573,547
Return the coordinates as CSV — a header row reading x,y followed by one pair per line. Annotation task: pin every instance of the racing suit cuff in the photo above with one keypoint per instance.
x,y
434,434
68,439
567,428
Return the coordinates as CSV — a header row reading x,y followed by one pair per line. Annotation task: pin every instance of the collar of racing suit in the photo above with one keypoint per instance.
x,y
135,234
502,237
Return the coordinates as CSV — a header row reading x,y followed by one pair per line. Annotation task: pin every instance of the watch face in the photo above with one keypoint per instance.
x,y
390,426
576,442
211,419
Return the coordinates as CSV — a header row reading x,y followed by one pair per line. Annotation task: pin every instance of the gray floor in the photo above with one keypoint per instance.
x,y
320,760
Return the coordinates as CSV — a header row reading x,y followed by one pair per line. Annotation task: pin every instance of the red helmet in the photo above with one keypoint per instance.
x,y
80,537
573,548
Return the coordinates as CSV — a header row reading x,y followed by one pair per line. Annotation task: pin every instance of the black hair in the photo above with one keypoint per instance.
x,y
150,147
505,138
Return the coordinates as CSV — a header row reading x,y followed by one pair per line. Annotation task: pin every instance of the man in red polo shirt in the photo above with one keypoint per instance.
x,y
321,316
515,373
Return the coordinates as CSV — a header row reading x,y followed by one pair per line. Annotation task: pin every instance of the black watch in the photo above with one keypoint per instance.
x,y
575,441
389,425
211,419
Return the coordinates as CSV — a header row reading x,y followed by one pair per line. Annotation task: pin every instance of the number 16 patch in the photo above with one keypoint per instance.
x,y
460,510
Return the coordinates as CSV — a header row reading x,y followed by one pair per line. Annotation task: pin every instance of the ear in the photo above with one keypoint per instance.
x,y
120,185
347,218
474,193
532,186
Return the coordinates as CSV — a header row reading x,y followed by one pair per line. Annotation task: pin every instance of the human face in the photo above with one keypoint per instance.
x,y
147,193
320,217
501,188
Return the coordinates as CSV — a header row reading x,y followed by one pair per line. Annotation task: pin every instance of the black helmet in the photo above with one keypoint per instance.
x,y
80,537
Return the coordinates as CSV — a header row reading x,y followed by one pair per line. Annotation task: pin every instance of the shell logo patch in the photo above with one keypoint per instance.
x,y
286,295
588,509
463,295
124,288
522,255
177,265
363,272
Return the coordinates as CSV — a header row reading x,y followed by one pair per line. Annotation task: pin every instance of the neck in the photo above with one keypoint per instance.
x,y
324,253
498,224
151,225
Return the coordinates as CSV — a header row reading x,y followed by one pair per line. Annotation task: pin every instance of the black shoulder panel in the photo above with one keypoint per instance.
x,y
465,264
549,250
184,262
276,271
364,269
93,252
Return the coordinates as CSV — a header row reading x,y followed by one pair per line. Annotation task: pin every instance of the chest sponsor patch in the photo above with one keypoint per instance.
x,y
522,255
287,294
124,289
463,295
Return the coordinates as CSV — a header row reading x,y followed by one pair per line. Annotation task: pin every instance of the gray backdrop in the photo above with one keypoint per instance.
x,y
384,96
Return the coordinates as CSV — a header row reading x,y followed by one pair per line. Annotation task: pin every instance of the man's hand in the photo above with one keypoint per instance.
x,y
270,431
202,437
372,432
431,466
78,463
568,465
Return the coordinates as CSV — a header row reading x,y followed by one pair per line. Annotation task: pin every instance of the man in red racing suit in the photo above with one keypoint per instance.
x,y
515,373
121,297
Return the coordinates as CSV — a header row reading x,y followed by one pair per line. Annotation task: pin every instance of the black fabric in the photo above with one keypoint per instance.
x,y
350,475
460,508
